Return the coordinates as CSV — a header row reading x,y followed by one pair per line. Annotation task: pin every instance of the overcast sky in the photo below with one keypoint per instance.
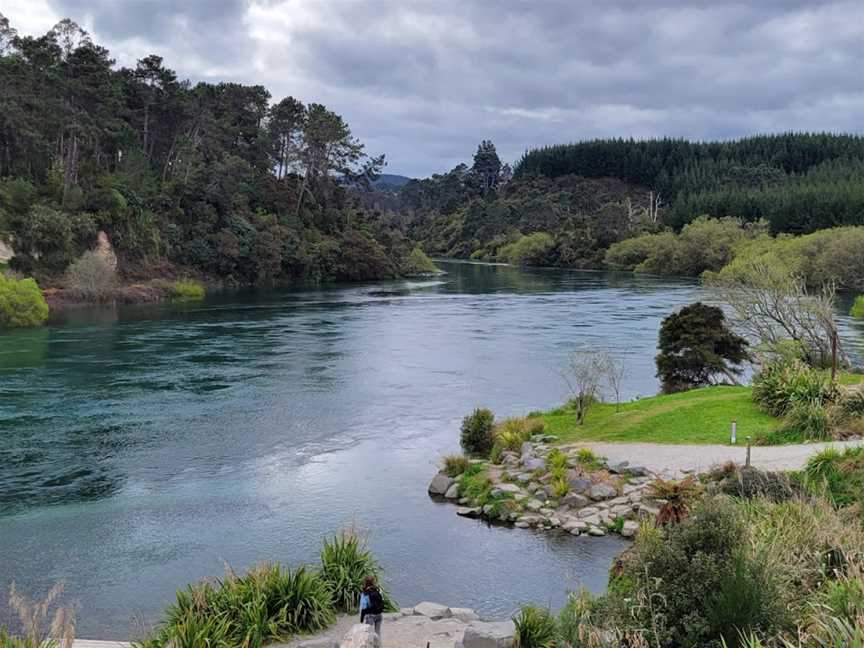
x,y
424,82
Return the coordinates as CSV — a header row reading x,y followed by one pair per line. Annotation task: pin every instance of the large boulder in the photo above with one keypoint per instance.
x,y
505,488
602,492
440,484
432,610
532,463
579,485
452,492
490,634
575,500
361,635
630,529
465,615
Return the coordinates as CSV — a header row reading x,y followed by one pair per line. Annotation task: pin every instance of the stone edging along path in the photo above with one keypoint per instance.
x,y
608,498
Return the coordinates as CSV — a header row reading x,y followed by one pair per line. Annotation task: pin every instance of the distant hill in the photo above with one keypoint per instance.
x,y
391,181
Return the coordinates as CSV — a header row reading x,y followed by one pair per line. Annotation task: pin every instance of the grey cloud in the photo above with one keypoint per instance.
x,y
424,82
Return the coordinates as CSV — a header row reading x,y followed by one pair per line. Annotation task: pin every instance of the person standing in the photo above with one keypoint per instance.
x,y
371,605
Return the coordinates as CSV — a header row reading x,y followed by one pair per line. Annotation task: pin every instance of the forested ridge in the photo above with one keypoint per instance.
x,y
213,179
566,205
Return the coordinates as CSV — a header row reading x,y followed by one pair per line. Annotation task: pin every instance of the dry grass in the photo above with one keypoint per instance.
x,y
33,617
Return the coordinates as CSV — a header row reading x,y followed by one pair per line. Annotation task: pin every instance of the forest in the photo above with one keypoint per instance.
x,y
218,181
566,205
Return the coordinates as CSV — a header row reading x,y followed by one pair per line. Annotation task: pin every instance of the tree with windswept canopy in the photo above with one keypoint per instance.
x,y
21,303
697,347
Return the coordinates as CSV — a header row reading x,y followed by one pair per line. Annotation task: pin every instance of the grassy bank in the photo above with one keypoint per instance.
x,y
697,416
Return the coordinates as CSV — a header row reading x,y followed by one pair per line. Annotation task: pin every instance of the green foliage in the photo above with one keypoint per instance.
x,y
455,464
704,244
857,310
839,475
589,460
511,433
186,290
532,249
535,628
750,483
699,583
695,346
476,435
21,303
418,263
345,564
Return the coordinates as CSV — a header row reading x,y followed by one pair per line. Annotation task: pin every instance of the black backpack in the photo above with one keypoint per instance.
x,y
376,601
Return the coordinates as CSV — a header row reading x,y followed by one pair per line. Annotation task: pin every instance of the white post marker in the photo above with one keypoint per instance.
x,y
734,431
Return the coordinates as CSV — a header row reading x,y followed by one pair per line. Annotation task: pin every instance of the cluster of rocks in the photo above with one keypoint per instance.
x,y
608,498
432,624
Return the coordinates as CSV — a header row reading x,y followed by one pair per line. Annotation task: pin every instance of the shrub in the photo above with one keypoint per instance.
x,y
477,432
33,618
345,564
91,277
532,249
688,577
455,464
266,604
511,433
21,303
782,384
418,263
748,483
588,459
858,308
838,475
535,628
810,419
187,290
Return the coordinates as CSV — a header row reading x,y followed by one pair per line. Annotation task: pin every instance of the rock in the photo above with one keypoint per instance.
x,y
524,477
465,615
646,510
622,510
630,529
432,610
534,505
575,523
617,500
494,634
488,509
533,464
635,497
593,520
506,488
541,495
530,520
601,492
637,471
527,449
361,635
580,485
452,492
392,616
319,643
618,467
554,522
519,524
596,531
587,512
468,511
407,611
510,459
627,489
547,511
575,500
440,484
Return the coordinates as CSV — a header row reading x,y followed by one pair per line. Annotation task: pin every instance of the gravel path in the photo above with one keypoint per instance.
x,y
675,459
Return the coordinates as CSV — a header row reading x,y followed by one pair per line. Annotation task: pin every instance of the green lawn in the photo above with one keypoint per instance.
x,y
698,416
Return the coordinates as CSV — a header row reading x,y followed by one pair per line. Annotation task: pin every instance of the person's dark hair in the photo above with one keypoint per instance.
x,y
369,583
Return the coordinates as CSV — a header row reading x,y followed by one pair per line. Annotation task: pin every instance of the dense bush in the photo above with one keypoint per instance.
x,y
750,483
511,433
857,310
186,290
21,303
345,564
697,582
535,628
838,475
418,263
266,604
532,249
455,464
477,432
91,278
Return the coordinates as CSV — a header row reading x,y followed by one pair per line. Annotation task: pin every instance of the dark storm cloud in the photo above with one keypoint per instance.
x,y
424,82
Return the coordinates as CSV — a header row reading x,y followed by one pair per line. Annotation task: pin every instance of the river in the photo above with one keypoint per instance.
x,y
144,447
